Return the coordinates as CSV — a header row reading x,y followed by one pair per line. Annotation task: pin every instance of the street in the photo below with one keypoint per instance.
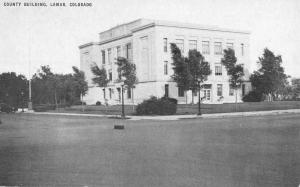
x,y
41,150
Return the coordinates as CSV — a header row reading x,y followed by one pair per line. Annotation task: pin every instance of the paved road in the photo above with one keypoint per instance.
x,y
85,151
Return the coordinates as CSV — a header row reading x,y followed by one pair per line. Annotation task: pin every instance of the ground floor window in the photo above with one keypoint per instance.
x,y
207,94
104,95
219,90
166,90
119,93
180,91
243,89
129,93
110,93
231,91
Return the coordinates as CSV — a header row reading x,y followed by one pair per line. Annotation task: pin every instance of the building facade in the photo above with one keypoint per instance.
x,y
146,43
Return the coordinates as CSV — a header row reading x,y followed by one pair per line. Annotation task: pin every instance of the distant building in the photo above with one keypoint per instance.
x,y
146,43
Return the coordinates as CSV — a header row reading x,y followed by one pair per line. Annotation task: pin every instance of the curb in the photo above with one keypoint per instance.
x,y
179,117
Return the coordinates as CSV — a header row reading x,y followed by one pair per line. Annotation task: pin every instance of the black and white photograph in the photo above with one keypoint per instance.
x,y
149,93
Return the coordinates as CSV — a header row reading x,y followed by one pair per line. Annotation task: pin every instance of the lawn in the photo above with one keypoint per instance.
x,y
39,150
190,109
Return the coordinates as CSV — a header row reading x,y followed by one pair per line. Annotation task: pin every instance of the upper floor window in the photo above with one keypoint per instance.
x,y
129,51
192,44
229,45
205,47
218,48
165,44
219,90
218,69
166,67
242,49
118,51
180,91
180,44
103,56
109,55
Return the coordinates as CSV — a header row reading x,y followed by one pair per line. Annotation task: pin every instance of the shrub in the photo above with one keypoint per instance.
x,y
172,100
98,103
78,102
253,96
156,106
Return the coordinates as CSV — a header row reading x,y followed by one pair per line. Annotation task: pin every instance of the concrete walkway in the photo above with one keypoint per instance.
x,y
177,117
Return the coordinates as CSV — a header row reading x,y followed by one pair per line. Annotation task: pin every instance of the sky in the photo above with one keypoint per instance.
x,y
35,36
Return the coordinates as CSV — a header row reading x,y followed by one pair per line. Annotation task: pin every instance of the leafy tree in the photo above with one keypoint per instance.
x,y
235,71
13,89
100,76
51,88
270,79
295,88
181,75
127,73
189,72
80,86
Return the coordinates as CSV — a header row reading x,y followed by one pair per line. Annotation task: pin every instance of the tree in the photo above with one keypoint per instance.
x,y
189,72
235,71
270,79
181,75
100,76
13,89
127,73
80,86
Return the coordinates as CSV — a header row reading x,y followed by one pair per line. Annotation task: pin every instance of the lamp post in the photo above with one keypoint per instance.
x,y
123,111
199,100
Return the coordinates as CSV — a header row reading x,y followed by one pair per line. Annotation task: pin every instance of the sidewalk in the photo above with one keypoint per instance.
x,y
178,117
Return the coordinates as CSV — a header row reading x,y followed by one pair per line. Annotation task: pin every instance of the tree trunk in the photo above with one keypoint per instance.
x,y
55,98
235,100
132,98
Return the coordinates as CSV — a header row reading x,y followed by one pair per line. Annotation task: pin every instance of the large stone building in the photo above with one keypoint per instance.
x,y
146,43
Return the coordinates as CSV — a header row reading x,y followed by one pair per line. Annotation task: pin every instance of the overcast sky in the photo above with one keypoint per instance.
x,y
51,35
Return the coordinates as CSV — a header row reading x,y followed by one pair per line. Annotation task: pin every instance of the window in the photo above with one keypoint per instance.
x,y
110,93
218,69
166,67
206,94
192,44
231,90
118,51
180,44
218,48
242,49
243,89
110,75
129,93
166,90
205,47
109,56
103,56
219,90
229,45
165,44
104,94
129,52
180,91
119,93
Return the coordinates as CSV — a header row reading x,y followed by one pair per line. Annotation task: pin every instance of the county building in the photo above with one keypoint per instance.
x,y
146,43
